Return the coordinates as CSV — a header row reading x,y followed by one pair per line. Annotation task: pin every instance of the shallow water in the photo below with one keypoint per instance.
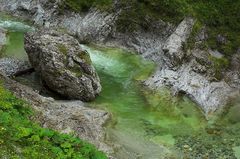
x,y
141,117
15,34
151,125
148,124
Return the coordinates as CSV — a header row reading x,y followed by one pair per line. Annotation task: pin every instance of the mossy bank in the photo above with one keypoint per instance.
x,y
22,137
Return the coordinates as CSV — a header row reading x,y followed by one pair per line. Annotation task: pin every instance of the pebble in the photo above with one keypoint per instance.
x,y
186,146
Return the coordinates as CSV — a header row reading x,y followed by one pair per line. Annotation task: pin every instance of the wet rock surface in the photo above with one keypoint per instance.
x,y
62,64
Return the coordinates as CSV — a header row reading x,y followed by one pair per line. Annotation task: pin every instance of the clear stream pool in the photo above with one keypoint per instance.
x,y
146,124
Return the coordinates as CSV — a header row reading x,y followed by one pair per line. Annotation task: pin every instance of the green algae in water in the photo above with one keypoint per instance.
x,y
151,124
237,152
15,46
167,140
153,117
15,34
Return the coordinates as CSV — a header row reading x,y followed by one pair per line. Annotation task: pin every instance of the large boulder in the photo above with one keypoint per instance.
x,y
62,64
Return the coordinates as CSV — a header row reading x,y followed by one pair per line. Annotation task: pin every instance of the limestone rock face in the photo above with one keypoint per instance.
x,y
11,66
28,8
211,96
62,64
173,46
3,38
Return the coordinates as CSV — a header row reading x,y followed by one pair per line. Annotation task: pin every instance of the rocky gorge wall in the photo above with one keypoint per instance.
x,y
185,71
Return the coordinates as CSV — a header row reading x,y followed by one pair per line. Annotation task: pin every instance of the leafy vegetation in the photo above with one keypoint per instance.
x,y
220,17
22,138
142,12
219,64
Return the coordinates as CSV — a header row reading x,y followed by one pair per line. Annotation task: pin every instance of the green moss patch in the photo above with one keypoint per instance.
x,y
84,55
20,137
77,70
62,48
219,64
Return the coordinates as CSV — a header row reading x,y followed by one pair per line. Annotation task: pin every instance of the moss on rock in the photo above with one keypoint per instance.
x,y
62,48
21,137
219,64
85,56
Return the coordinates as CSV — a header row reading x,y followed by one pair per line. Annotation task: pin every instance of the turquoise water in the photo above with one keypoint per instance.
x,y
143,121
15,34
147,124
152,124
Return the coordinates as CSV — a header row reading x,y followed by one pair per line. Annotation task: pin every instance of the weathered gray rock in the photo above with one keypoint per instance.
x,y
202,35
216,54
211,96
233,76
221,39
94,26
173,46
3,38
11,66
62,64
64,116
28,8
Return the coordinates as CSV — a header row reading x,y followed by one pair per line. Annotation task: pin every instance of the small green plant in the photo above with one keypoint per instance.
x,y
77,70
62,48
190,44
20,137
85,56
219,64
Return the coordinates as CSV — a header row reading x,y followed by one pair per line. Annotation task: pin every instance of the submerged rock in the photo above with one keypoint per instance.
x,y
62,64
